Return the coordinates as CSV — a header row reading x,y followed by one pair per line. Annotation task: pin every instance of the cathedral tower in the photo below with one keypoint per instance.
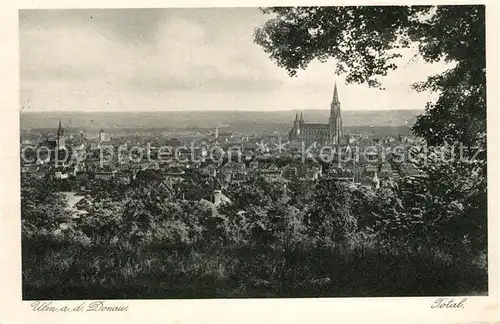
x,y
335,121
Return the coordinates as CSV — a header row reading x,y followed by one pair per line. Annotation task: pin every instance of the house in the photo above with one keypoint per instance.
x,y
176,174
218,198
310,172
60,175
339,174
233,167
37,171
105,175
238,177
250,147
209,170
125,178
166,188
272,173
370,169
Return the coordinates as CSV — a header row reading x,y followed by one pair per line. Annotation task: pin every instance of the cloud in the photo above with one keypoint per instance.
x,y
127,25
147,59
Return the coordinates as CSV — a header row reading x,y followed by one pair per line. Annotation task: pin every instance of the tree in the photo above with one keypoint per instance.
x,y
42,208
447,206
457,34
180,222
328,216
258,191
366,40
104,222
444,207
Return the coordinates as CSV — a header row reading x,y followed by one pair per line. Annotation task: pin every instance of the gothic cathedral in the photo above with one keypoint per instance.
x,y
330,133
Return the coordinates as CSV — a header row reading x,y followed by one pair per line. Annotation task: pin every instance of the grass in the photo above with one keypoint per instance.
x,y
70,271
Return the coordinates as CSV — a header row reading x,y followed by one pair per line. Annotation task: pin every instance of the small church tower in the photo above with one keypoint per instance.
x,y
102,135
335,121
61,141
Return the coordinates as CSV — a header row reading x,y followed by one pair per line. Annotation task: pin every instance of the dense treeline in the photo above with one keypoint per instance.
x,y
420,236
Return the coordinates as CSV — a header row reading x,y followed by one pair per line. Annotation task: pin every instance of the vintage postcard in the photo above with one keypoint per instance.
x,y
224,163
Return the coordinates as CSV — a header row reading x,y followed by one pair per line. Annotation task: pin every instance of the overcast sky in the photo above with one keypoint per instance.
x,y
181,59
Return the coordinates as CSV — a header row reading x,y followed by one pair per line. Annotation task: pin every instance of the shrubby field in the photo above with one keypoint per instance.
x,y
422,236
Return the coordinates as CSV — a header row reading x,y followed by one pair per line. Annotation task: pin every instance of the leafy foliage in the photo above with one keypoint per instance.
x,y
42,207
365,42
361,39
445,207
283,246
436,209
457,34
329,217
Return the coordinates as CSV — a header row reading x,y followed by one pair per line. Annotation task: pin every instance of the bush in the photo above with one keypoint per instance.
x,y
341,242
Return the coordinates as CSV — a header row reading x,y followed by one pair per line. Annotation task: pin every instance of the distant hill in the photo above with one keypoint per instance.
x,y
242,121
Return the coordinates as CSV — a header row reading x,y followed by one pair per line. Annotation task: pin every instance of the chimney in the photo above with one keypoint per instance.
x,y
217,197
376,181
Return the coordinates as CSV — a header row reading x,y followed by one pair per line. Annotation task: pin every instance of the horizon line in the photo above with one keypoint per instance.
x,y
215,110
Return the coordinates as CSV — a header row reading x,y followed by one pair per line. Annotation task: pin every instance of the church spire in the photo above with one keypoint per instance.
x,y
301,118
335,93
59,129
335,118
296,117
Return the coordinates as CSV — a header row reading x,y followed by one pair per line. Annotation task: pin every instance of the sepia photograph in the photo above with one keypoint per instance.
x,y
253,152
